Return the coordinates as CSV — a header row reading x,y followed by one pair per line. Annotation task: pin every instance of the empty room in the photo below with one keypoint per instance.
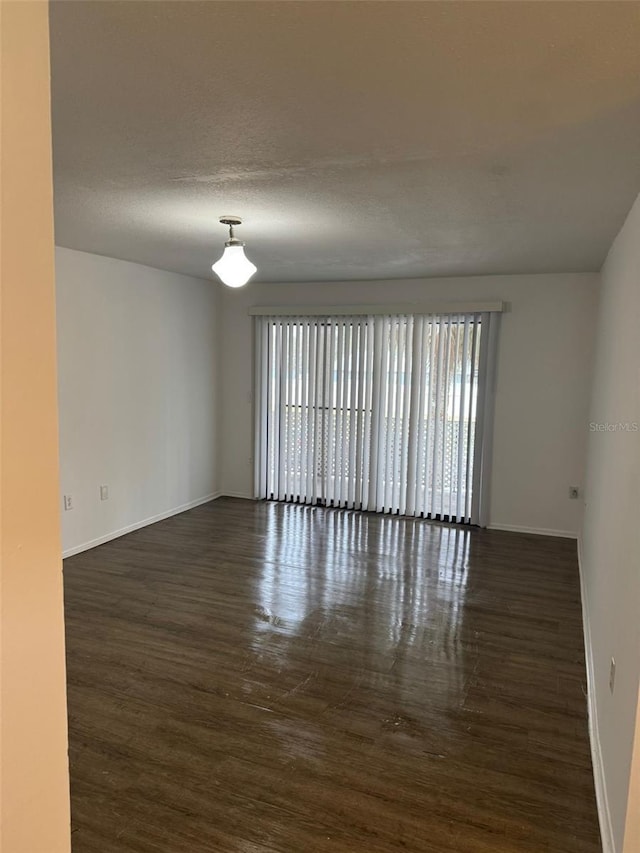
x,y
320,426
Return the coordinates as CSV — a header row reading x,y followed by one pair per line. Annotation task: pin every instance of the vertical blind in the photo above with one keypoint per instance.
x,y
390,413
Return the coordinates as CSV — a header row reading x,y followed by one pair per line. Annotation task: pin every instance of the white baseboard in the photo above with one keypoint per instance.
x,y
115,534
538,531
245,497
604,813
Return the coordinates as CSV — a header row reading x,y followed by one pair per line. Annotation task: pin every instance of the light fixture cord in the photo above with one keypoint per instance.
x,y
231,234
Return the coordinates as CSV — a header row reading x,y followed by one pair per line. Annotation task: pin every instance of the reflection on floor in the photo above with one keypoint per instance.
x,y
250,677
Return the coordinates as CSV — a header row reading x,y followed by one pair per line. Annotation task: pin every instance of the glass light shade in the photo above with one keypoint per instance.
x,y
234,268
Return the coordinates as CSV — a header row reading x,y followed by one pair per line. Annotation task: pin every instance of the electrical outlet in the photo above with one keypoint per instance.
x,y
67,502
104,493
612,675
574,493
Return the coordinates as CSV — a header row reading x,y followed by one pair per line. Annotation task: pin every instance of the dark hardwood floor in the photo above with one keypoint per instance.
x,y
251,677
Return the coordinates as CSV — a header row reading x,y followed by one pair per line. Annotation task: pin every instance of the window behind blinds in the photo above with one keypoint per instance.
x,y
384,413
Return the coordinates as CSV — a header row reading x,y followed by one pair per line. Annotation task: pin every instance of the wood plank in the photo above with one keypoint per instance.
x,y
271,678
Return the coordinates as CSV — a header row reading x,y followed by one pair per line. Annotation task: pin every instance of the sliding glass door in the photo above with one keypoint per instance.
x,y
381,412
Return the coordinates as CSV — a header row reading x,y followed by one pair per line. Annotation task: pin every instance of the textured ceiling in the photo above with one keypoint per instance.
x,y
356,139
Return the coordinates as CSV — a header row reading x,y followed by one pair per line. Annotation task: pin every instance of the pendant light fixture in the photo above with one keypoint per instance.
x,y
234,268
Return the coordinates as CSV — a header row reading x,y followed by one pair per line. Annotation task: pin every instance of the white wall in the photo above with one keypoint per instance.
x,y
138,386
542,393
610,554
